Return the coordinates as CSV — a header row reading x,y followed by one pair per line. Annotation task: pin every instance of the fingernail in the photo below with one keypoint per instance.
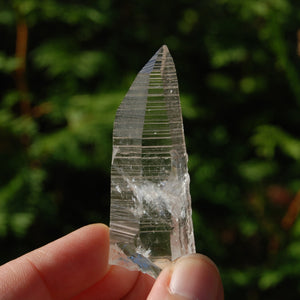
x,y
194,278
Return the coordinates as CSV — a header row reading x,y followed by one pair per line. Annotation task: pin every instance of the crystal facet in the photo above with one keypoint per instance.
x,y
150,216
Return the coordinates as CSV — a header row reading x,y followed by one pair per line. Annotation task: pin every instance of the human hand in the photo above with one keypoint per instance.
x,y
76,267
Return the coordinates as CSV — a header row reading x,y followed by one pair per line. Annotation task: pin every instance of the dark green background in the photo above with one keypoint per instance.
x,y
238,70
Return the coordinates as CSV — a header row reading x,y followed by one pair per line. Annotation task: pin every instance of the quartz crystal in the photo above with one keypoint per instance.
x,y
150,215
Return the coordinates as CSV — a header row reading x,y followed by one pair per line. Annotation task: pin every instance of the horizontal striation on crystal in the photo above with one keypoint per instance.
x,y
150,216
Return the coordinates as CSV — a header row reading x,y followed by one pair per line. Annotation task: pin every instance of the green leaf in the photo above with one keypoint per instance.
x,y
256,171
270,278
268,137
8,64
20,222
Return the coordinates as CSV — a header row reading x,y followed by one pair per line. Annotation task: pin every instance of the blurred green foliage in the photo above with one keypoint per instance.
x,y
238,71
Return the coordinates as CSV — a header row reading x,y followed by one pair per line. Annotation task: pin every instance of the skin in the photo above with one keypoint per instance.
x,y
76,267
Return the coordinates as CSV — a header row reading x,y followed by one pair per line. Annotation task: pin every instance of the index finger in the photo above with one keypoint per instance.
x,y
59,270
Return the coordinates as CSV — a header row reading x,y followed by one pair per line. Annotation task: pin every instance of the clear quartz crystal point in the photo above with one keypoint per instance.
x,y
150,215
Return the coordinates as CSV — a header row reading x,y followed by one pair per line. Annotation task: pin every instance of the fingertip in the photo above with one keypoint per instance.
x,y
190,277
96,234
200,257
96,228
195,277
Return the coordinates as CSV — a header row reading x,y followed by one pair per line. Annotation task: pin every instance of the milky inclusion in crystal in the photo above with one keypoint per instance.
x,y
150,215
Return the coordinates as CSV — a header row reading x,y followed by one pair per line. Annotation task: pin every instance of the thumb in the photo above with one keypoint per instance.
x,y
191,277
